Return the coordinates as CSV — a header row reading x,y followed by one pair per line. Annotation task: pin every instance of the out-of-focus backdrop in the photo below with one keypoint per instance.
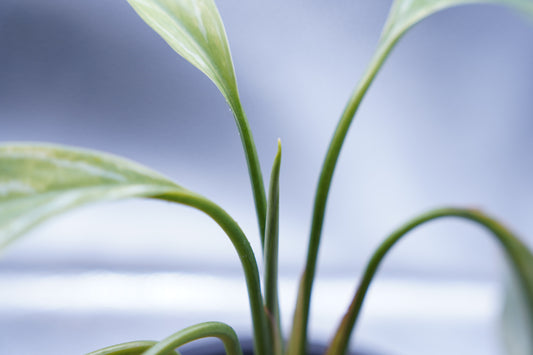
x,y
447,122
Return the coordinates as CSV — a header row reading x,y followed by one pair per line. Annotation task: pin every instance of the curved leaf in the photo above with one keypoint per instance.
x,y
406,13
518,311
193,28
519,256
40,181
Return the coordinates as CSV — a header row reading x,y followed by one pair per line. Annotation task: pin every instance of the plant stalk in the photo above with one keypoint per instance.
x,y
203,330
262,343
514,248
130,348
254,168
297,344
271,257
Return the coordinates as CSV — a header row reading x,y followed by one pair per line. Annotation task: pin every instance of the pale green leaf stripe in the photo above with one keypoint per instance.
x,y
40,181
193,28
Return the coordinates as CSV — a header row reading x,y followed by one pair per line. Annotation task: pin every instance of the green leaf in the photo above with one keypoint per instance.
x,y
40,181
193,28
406,13
518,317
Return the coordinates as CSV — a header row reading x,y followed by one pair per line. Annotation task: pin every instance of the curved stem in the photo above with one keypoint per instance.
x,y
198,331
394,29
515,249
301,316
262,344
130,348
254,168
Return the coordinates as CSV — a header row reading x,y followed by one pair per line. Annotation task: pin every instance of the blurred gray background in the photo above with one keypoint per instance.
x,y
447,122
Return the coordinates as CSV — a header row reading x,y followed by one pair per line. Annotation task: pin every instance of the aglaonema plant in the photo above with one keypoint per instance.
x,y
39,181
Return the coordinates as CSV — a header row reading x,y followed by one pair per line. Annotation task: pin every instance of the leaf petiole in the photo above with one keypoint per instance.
x,y
203,330
130,348
518,254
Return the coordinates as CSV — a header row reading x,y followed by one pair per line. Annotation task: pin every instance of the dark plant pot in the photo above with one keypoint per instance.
x,y
210,347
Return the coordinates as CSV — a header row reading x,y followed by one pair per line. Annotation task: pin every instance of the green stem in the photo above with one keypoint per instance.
x,y
130,348
254,168
271,256
394,29
199,331
262,344
298,339
514,248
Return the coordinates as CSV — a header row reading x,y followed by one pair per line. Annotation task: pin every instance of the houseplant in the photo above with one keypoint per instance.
x,y
41,181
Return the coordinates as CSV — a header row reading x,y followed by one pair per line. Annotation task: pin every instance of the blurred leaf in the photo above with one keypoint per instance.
x,y
40,181
406,13
517,317
193,28
519,308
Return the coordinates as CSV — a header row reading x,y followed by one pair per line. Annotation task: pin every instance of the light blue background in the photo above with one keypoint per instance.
x,y
447,122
